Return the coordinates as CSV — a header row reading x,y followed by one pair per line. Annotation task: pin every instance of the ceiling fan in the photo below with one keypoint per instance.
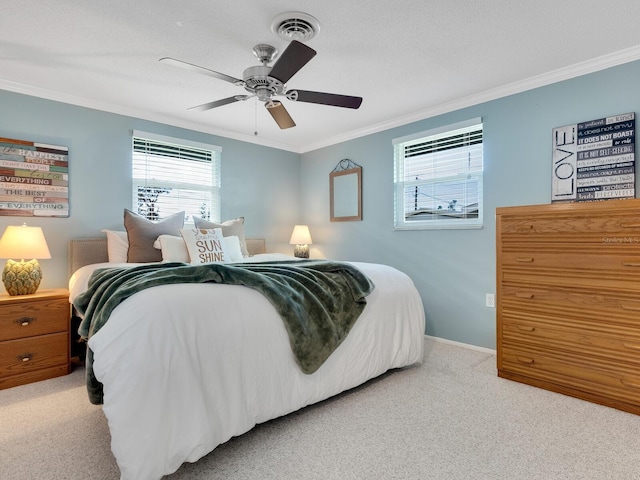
x,y
266,82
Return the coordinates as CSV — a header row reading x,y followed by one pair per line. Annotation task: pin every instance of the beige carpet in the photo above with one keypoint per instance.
x,y
451,418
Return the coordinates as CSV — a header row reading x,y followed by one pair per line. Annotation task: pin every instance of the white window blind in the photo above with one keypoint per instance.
x,y
438,178
169,177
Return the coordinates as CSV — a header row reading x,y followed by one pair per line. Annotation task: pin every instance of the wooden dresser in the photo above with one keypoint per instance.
x,y
568,299
34,337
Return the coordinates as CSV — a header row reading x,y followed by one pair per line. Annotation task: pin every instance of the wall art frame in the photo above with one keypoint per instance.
x,y
594,160
34,179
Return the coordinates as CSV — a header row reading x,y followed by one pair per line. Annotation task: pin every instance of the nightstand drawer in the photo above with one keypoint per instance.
x,y
34,337
27,319
29,354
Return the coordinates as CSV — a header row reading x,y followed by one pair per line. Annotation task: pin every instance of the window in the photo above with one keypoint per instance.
x,y
438,178
172,175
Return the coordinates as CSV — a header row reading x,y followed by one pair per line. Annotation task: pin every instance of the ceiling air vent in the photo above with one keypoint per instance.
x,y
295,26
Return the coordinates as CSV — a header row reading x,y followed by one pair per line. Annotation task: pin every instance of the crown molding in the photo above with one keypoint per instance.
x,y
139,114
561,74
566,73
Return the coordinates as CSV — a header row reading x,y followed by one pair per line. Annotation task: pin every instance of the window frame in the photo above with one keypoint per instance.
x,y
214,186
400,219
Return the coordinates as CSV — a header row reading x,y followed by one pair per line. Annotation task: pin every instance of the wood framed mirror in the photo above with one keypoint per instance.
x,y
345,192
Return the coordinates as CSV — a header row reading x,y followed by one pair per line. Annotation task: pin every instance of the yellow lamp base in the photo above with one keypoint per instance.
x,y
21,278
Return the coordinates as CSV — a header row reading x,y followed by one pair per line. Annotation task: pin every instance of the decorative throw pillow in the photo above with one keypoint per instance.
x,y
117,246
204,245
229,228
142,233
173,248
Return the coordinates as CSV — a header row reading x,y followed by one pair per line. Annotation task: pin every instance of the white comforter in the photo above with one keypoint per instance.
x,y
186,367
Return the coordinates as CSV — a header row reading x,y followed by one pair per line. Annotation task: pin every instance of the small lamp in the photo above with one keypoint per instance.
x,y
301,238
20,277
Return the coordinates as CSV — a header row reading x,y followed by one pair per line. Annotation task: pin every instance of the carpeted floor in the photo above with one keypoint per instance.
x,y
450,418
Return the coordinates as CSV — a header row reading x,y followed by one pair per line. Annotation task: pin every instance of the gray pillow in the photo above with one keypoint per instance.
x,y
142,233
229,228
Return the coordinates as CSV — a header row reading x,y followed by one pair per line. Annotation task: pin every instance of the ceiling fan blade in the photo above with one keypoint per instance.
x,y
279,114
219,103
295,56
205,71
332,99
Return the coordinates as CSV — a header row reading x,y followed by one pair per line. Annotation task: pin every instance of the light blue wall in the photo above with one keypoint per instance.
x,y
273,189
453,269
259,183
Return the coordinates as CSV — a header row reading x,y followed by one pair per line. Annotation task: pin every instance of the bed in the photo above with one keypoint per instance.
x,y
185,367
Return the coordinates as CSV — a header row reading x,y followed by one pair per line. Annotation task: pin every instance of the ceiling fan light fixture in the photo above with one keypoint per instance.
x,y
295,26
279,114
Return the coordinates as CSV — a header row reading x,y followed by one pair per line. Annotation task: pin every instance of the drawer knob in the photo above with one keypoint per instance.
x,y
526,328
527,360
524,295
632,346
630,383
524,259
25,321
25,357
630,224
627,263
633,308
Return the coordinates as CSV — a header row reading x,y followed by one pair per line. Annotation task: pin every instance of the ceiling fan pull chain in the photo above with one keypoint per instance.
x,y
255,113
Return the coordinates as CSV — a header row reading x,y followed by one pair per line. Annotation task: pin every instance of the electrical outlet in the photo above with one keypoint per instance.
x,y
490,300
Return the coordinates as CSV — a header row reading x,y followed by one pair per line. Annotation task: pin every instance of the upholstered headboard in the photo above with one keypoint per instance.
x,y
84,251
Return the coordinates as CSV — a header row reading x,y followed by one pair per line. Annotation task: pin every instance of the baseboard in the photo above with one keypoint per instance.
x,y
463,345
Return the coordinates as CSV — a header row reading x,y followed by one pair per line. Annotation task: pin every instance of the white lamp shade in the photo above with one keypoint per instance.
x,y
300,236
23,242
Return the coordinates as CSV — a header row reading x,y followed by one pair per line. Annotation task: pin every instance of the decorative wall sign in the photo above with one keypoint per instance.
x,y
594,160
34,179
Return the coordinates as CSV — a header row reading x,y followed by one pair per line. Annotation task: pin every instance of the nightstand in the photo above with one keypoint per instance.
x,y
34,337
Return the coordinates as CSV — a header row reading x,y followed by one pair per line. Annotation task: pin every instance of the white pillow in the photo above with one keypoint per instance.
x,y
173,248
117,246
204,245
233,249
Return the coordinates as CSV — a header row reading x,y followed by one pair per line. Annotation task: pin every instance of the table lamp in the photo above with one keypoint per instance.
x,y
22,277
301,238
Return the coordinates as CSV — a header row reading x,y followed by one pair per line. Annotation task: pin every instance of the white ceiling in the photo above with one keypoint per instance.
x,y
408,59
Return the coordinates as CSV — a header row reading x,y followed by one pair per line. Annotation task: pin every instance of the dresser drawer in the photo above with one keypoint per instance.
x,y
27,319
29,354
568,268
603,307
573,228
583,338
598,377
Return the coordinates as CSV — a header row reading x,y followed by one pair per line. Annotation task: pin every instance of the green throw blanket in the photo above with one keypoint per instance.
x,y
318,300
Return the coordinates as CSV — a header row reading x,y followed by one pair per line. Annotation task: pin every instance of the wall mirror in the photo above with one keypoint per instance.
x,y
345,192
